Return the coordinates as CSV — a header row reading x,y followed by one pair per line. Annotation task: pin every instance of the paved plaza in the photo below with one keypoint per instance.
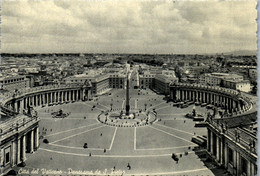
x,y
97,148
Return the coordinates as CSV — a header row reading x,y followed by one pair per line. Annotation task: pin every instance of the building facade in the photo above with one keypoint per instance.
x,y
243,86
146,80
99,81
19,136
14,82
117,81
214,79
163,80
233,146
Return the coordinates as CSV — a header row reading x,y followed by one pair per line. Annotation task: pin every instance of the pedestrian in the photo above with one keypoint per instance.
x,y
101,134
129,167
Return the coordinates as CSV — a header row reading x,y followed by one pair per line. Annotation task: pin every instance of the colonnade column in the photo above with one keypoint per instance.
x,y
221,151
15,106
252,168
84,94
217,143
57,96
225,101
211,143
36,138
62,96
23,148
13,153
248,168
232,105
69,94
238,162
43,98
32,142
21,105
46,98
209,140
226,155
218,100
81,94
18,159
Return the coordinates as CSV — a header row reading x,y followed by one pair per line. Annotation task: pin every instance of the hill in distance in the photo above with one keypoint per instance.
x,y
242,53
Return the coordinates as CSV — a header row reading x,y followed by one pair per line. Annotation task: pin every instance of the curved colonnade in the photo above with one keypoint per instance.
x,y
19,131
233,101
46,95
230,142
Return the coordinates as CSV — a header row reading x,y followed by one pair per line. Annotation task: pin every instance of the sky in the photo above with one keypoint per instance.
x,y
113,26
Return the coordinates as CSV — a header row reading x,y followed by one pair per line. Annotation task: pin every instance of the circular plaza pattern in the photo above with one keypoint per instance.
x,y
136,118
95,139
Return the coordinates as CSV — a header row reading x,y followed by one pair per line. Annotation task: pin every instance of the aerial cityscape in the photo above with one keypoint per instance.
x,y
89,94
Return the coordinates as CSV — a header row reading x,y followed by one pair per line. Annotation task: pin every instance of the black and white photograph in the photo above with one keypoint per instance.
x,y
128,88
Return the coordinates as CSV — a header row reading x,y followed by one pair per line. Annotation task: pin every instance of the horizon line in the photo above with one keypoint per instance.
x,y
223,53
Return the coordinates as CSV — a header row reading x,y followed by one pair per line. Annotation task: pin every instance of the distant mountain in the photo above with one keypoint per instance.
x,y
242,53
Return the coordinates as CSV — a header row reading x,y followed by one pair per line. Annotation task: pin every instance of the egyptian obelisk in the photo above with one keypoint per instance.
x,y
127,105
